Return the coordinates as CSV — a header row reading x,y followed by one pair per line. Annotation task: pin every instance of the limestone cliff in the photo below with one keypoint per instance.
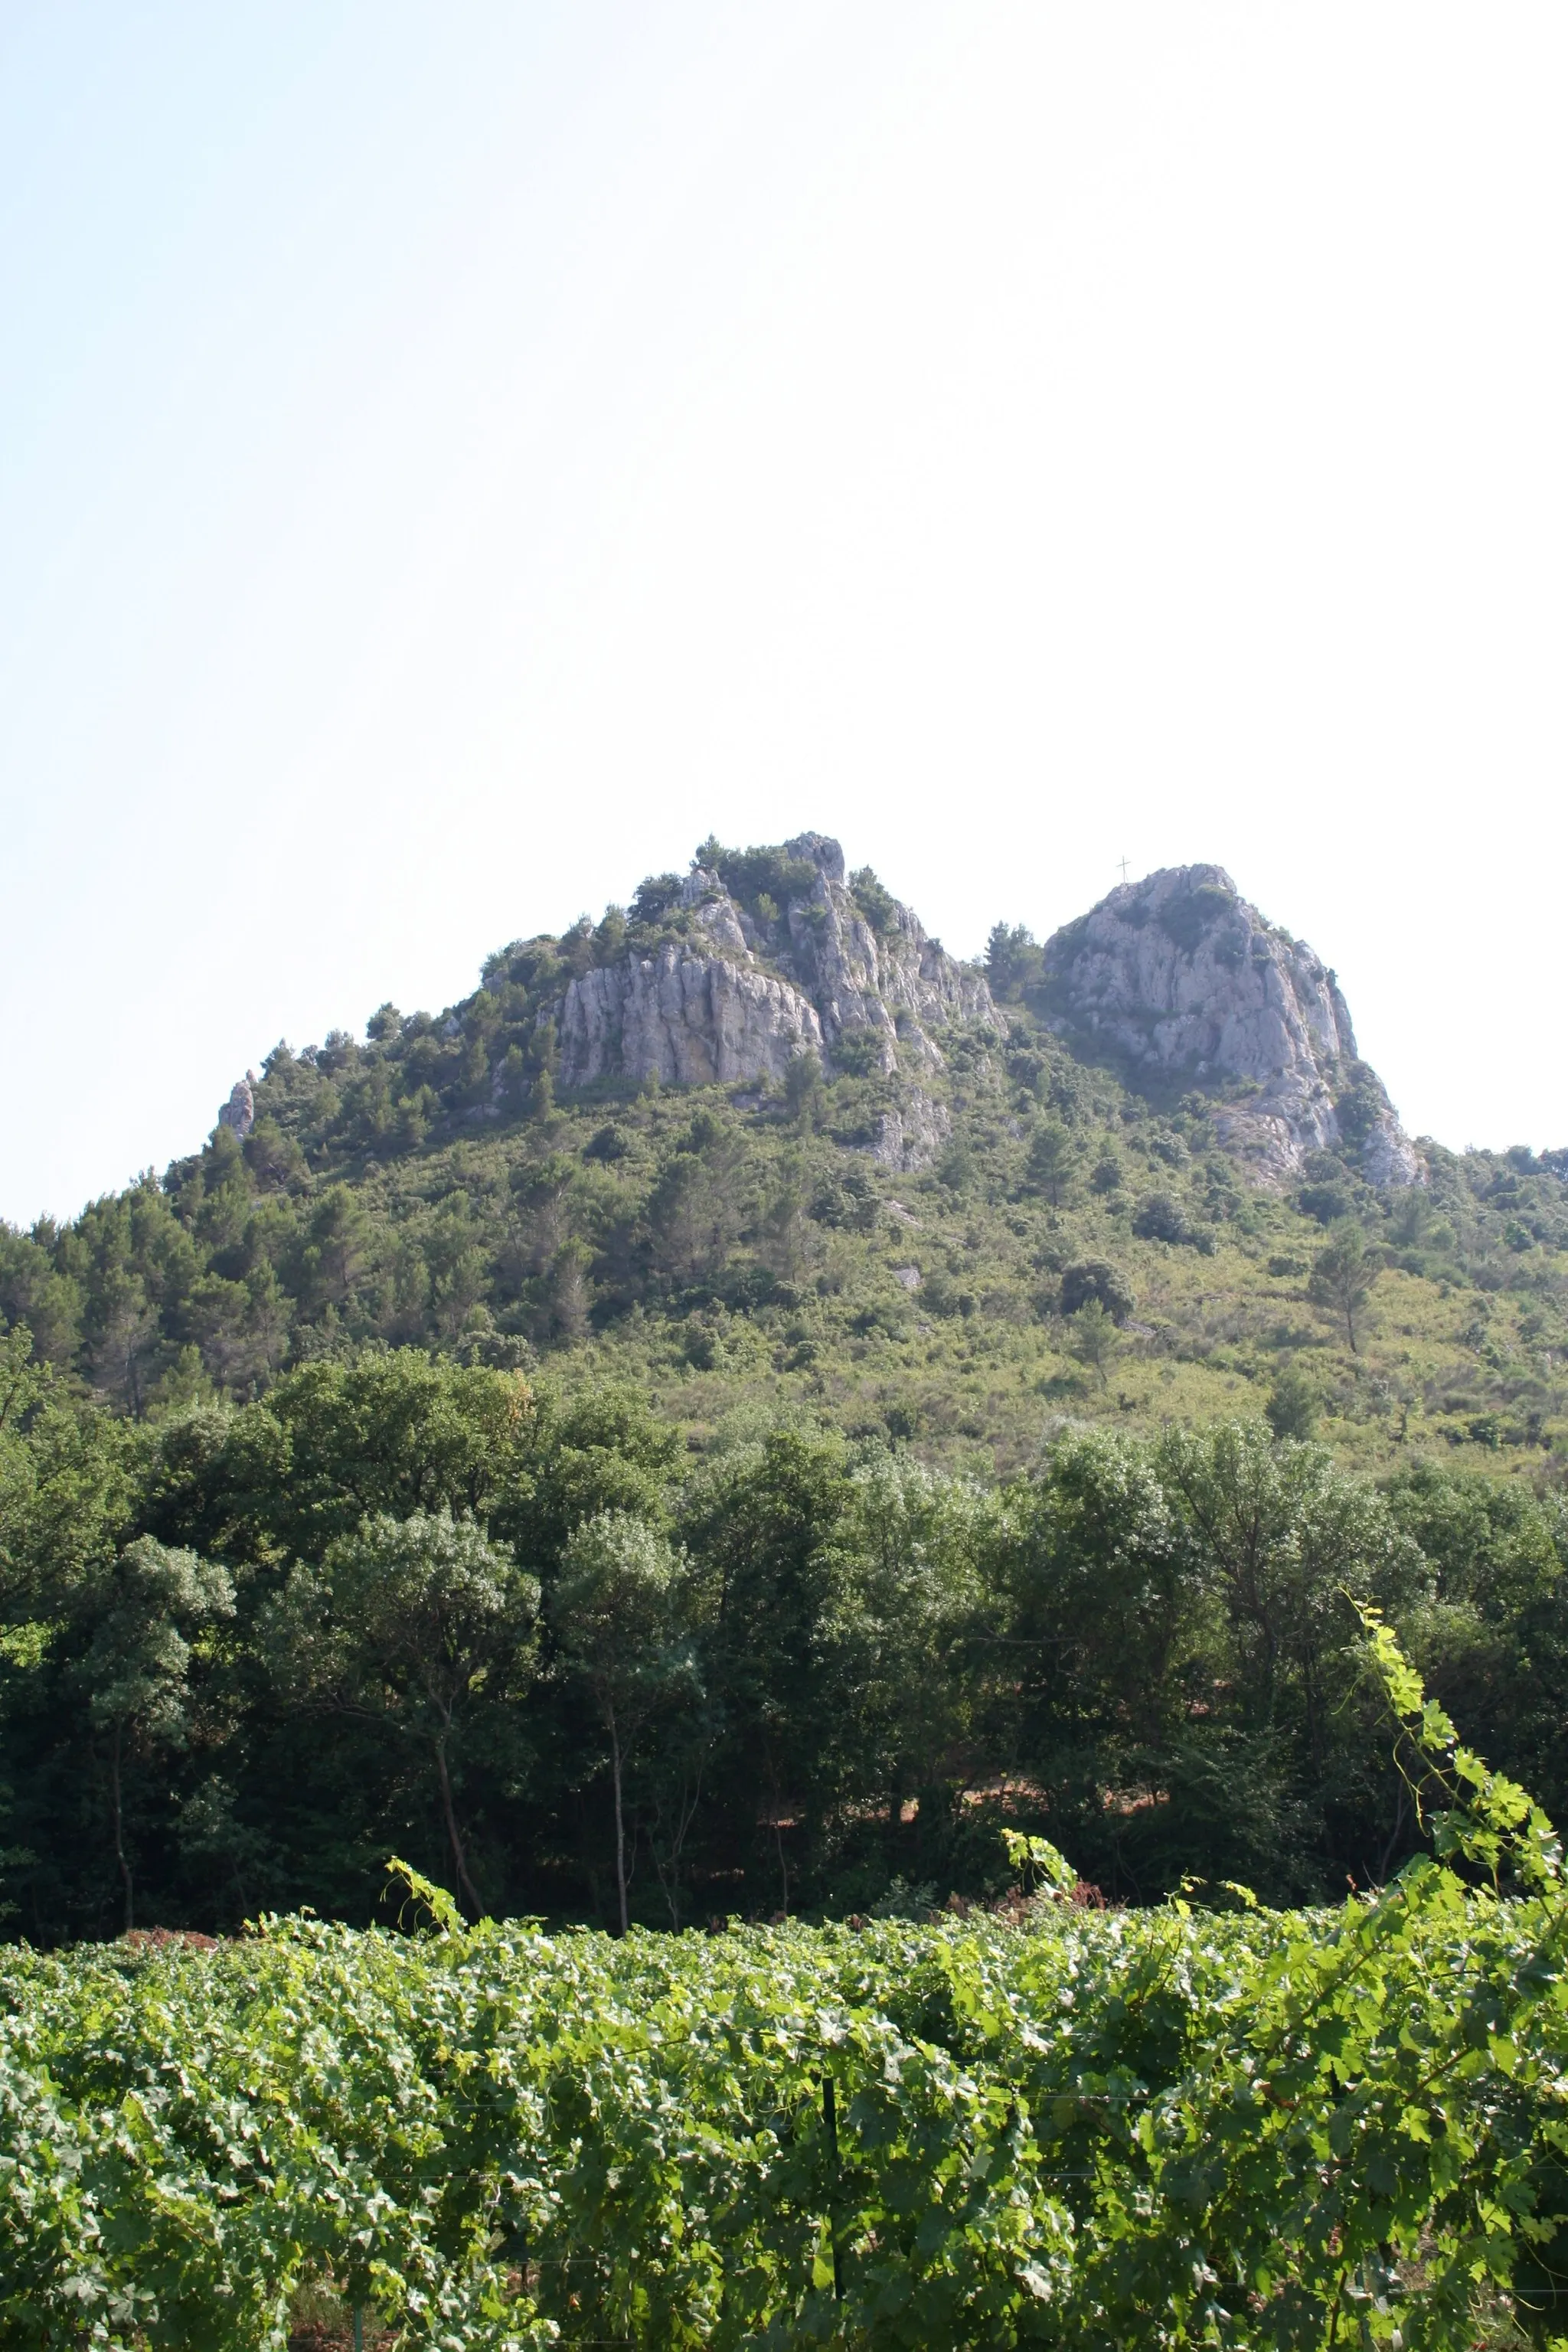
x,y
686,1018
746,987
1179,975
884,977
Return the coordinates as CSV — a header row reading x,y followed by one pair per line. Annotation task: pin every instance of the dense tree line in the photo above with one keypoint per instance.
x,y
526,1638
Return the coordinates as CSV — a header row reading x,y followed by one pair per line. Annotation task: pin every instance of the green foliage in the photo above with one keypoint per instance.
x,y
1038,1863
1235,2128
403,1625
1341,1278
423,1894
1014,961
749,875
1096,1281
860,1051
803,1090
1051,1159
842,1666
1292,1408
1159,1217
877,905
1093,1338
653,897
1192,916
134,1673
434,1283
618,1615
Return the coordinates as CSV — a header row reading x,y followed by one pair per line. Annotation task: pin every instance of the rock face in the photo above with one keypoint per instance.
x,y
689,1020
890,980
1179,974
239,1111
910,1138
736,998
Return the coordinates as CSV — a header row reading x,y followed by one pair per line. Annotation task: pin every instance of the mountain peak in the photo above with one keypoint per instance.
x,y
756,957
1179,975
818,849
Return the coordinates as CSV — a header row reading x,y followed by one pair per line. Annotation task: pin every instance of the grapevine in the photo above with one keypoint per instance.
x,y
1184,2127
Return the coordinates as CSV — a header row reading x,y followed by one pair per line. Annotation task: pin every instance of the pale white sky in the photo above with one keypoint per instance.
x,y
453,458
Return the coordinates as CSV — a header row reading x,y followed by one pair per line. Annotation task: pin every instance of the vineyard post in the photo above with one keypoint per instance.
x,y
359,2328
830,2120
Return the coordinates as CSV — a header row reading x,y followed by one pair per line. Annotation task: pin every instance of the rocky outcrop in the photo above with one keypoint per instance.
x,y
239,1111
886,980
909,1137
687,1019
745,989
1179,975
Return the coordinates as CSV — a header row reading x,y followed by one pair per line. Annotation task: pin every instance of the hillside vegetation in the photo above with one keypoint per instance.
x,y
658,1503
742,1247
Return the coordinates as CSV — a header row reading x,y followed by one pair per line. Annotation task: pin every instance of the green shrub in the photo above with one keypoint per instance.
x,y
1097,1279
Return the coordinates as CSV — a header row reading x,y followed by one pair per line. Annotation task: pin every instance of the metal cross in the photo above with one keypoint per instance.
x,y
1123,863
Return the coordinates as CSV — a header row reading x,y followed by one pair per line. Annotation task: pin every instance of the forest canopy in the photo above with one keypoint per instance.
x,y
526,1636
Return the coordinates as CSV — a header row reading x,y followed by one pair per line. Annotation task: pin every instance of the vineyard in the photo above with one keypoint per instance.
x,y
1192,2125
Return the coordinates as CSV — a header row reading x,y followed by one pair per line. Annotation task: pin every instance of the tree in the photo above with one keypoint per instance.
x,y
1014,961
1341,1278
409,1623
803,1089
878,904
337,1241
569,1295
127,1343
958,1167
66,1488
616,1613
1285,1534
697,1207
1050,1160
764,1523
1412,1216
137,1664
1158,1218
512,1082
1093,1563
1093,1337
274,1158
909,1597
335,1444
600,1449
786,1239
1097,1279
1293,1407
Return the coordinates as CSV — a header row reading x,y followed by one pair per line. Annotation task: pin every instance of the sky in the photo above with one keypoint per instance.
x,y
452,460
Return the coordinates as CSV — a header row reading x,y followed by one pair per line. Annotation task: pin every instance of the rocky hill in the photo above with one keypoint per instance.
x,y
748,1210
1176,979
760,979
1184,980
739,968
757,1143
